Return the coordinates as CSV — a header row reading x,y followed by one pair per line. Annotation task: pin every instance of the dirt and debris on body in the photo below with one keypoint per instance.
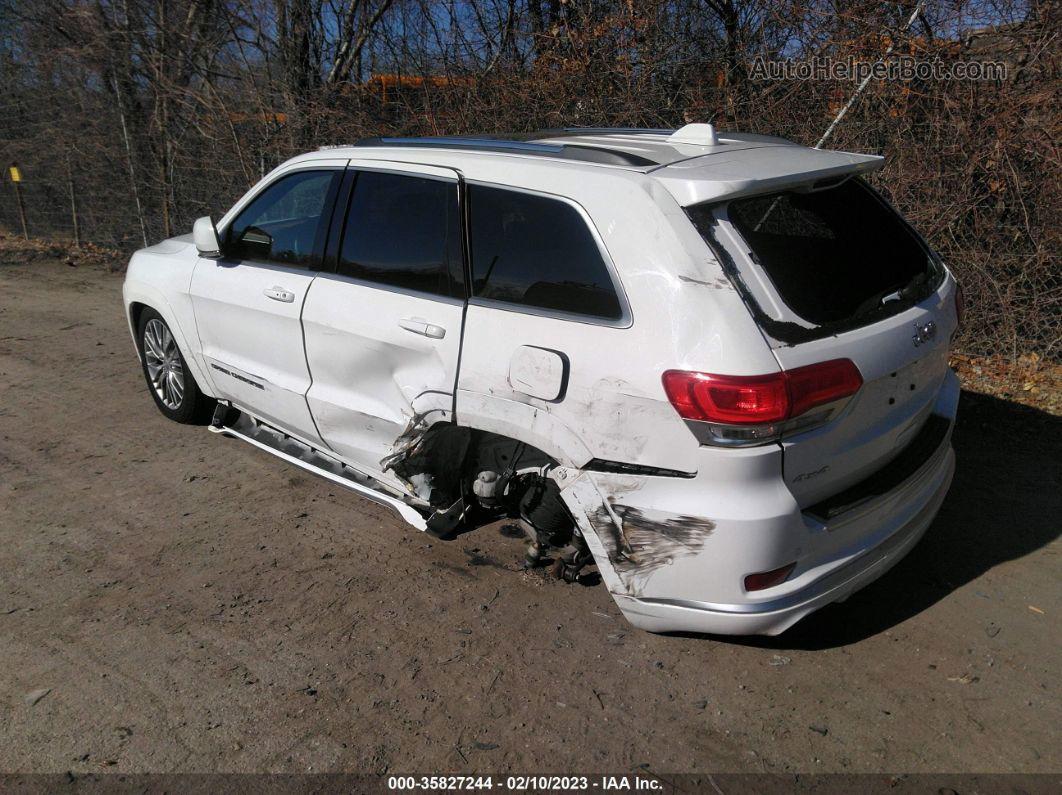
x,y
192,604
640,541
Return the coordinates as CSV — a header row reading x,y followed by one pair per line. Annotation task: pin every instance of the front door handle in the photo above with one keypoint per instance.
x,y
279,294
422,327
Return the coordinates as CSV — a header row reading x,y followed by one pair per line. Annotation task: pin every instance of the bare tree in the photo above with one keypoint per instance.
x,y
167,109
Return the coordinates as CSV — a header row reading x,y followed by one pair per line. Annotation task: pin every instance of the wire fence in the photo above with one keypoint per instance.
x,y
973,164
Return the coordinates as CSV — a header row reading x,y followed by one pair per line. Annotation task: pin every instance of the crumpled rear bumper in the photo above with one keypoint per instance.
x,y
776,616
674,552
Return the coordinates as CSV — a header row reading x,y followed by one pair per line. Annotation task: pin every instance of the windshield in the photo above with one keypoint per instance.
x,y
832,255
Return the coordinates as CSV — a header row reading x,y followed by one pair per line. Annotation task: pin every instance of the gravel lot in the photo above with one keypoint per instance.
x,y
171,600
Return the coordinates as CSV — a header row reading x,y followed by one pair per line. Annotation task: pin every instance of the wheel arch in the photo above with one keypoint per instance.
x,y
532,424
134,311
138,300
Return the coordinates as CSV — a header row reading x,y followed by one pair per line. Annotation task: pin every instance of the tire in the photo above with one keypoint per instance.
x,y
169,382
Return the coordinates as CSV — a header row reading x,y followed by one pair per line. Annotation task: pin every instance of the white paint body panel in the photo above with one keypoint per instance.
x,y
253,344
901,382
538,372
695,584
345,372
159,277
371,374
716,176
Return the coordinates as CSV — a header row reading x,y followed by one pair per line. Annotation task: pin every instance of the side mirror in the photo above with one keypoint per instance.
x,y
205,235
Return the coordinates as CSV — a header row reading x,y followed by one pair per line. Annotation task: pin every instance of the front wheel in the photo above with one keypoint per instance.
x,y
171,385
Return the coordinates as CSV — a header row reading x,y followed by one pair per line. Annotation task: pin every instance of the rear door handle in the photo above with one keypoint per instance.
x,y
422,327
279,294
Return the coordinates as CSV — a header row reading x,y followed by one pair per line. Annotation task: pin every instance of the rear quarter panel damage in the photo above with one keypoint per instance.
x,y
631,544
682,537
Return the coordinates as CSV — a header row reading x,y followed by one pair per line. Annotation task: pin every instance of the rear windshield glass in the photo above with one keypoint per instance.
x,y
831,255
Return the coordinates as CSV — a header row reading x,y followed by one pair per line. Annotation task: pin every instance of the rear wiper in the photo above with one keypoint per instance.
x,y
891,294
906,291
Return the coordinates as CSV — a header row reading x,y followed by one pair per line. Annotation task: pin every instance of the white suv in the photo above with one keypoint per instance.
x,y
714,365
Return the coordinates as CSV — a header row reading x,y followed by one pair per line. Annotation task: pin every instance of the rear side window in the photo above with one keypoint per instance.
x,y
282,224
403,231
831,255
534,251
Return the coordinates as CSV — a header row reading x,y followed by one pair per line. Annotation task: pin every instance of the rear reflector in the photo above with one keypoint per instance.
x,y
768,579
760,399
960,303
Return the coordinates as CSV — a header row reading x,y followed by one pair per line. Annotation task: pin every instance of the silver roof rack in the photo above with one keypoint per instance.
x,y
514,145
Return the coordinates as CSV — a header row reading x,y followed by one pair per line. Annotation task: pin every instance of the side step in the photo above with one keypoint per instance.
x,y
306,457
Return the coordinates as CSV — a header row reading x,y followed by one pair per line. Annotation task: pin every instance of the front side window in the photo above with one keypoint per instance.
x,y
283,223
535,251
404,231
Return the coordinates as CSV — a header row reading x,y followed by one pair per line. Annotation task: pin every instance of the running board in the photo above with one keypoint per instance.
x,y
312,460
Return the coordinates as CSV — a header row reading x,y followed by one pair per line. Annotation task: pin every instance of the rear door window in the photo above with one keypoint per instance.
x,y
282,224
538,252
404,231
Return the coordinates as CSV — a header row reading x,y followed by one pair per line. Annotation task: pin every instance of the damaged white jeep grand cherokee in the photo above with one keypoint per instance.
x,y
713,365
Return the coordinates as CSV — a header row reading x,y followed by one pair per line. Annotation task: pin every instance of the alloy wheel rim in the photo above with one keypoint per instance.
x,y
163,362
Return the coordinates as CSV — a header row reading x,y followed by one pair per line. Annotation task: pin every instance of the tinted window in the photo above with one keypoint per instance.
x,y
283,223
536,251
403,231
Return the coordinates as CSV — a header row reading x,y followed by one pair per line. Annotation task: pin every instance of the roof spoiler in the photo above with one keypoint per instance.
x,y
768,169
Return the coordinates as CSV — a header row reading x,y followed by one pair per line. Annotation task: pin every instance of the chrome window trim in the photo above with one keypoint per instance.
x,y
556,314
358,166
443,299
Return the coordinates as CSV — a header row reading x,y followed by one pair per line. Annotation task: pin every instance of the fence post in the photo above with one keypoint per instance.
x,y
16,180
129,160
73,203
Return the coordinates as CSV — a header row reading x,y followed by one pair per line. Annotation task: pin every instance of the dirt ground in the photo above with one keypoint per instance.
x,y
185,602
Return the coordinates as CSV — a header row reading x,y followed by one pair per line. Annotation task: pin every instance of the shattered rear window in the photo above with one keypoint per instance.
x,y
831,255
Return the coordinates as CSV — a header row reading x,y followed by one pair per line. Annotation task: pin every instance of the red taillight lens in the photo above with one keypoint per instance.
x,y
960,303
759,399
730,399
768,579
819,384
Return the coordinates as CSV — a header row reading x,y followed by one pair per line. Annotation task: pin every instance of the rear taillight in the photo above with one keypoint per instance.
x,y
731,399
819,384
742,410
768,579
960,304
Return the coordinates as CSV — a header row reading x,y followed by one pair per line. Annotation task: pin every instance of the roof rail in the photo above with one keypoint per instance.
x,y
588,154
612,131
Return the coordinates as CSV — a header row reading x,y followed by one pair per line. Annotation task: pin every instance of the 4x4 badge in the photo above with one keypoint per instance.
x,y
924,333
